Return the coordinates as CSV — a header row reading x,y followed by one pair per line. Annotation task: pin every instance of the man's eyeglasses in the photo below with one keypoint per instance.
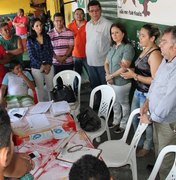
x,y
97,10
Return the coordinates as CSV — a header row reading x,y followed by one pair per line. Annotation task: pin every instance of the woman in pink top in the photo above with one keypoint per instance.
x,y
20,22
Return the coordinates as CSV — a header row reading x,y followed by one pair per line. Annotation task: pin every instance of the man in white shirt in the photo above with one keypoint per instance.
x,y
97,43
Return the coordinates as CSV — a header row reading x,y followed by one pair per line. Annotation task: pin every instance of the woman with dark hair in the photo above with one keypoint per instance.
x,y
40,52
120,52
145,68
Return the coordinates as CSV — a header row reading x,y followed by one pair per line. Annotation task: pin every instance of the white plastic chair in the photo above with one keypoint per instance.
x,y
106,104
164,151
68,77
117,153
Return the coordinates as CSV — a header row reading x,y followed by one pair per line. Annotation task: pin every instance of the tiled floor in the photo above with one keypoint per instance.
x,y
123,173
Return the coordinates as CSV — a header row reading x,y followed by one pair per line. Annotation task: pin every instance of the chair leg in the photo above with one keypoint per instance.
x,y
108,134
134,168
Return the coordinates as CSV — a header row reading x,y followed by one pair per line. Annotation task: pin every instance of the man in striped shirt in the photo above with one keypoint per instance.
x,y
62,40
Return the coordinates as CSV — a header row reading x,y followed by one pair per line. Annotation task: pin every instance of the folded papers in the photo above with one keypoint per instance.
x,y
59,108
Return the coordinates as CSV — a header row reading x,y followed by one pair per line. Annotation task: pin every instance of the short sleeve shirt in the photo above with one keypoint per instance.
x,y
16,85
79,39
21,30
115,56
61,42
97,41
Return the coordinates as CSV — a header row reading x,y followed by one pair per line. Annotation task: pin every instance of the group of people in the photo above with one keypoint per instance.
x,y
106,53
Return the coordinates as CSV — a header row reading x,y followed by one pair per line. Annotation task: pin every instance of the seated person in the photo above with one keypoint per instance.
x,y
89,167
11,164
17,83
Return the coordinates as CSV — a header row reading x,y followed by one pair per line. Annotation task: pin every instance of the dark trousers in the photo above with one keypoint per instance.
x,y
59,68
96,75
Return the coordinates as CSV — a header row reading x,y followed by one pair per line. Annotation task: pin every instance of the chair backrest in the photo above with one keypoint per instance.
x,y
107,100
68,78
137,134
164,151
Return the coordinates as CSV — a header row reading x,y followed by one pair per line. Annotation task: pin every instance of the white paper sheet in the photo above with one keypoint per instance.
x,y
20,111
40,107
67,156
59,108
37,121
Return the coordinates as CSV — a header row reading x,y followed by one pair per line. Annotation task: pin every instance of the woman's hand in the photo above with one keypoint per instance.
x,y
108,77
124,65
129,74
45,68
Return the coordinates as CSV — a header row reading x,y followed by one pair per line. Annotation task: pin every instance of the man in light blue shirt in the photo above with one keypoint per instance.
x,y
161,101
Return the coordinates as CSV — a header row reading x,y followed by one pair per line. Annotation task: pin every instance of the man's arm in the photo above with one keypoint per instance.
x,y
19,166
29,83
63,58
19,49
145,107
2,95
69,51
144,115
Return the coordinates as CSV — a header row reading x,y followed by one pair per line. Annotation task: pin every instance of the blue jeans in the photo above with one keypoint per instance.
x,y
79,63
147,139
96,75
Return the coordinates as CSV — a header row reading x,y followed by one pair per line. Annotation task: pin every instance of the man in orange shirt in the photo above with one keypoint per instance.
x,y
78,27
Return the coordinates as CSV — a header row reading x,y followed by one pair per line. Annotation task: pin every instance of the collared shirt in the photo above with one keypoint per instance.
x,y
23,29
40,52
61,42
162,93
97,41
79,39
114,58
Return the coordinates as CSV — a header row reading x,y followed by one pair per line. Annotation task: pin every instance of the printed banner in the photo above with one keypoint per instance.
x,y
81,4
153,11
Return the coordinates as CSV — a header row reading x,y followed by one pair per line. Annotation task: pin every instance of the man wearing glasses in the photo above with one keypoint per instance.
x,y
97,43
161,101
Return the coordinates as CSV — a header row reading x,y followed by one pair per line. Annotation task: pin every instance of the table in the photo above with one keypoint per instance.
x,y
47,166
